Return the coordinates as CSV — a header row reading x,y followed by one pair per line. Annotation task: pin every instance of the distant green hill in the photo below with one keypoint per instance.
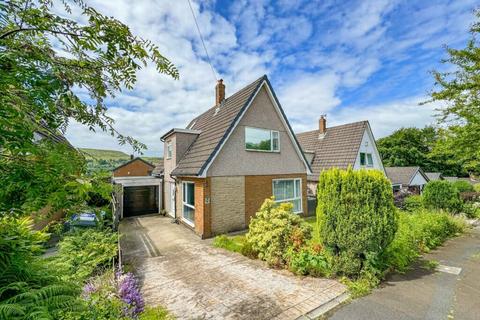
x,y
98,159
100,154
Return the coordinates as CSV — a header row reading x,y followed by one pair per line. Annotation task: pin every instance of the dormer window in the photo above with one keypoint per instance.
x,y
169,150
257,139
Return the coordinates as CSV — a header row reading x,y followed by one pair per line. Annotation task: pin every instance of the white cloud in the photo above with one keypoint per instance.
x,y
309,65
309,96
386,118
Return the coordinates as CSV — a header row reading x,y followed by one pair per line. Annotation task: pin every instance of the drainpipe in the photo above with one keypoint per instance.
x,y
175,219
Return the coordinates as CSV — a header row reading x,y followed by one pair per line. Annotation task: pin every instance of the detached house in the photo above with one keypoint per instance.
x,y
407,179
228,160
343,146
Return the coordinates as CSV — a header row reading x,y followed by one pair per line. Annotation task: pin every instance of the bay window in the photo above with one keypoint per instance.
x,y
289,190
257,139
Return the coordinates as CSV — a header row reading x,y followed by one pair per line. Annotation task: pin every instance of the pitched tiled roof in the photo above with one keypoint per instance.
x,y
433,175
337,148
158,170
214,124
133,160
401,175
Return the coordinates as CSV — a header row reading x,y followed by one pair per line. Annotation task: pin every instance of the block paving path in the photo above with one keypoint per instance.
x,y
194,280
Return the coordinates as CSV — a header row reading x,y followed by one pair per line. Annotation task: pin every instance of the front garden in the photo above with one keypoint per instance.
x,y
357,236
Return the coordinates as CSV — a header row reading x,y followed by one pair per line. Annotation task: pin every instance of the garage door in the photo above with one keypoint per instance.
x,y
140,200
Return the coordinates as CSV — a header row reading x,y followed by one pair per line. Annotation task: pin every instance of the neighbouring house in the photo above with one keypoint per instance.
x,y
228,160
140,187
432,176
348,145
411,179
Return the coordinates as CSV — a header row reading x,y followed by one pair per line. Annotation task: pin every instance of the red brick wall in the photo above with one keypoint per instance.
x,y
134,169
258,188
202,209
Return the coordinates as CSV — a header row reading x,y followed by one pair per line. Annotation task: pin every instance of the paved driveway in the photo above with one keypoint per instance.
x,y
196,281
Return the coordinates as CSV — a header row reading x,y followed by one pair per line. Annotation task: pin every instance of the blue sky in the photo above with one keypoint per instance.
x,y
353,60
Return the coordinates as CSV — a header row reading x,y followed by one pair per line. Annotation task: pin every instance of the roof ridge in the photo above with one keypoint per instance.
x,y
229,97
337,126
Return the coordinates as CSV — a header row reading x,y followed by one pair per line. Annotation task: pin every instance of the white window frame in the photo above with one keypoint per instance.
x,y
271,140
294,184
190,223
369,165
169,150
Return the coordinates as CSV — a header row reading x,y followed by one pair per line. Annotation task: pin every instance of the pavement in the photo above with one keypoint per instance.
x,y
194,280
451,291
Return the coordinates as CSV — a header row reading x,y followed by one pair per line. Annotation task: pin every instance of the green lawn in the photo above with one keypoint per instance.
x,y
313,222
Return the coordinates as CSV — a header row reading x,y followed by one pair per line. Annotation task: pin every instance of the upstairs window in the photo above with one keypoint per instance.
x,y
257,139
169,150
366,159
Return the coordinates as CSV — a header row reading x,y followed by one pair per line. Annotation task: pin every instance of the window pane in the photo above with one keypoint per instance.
x,y
257,139
275,142
190,197
362,158
283,189
297,188
184,192
369,159
189,213
297,204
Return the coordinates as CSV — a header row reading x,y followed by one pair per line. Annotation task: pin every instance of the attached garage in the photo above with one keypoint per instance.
x,y
140,200
138,195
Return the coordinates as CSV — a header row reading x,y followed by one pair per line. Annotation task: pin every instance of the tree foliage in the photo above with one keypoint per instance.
x,y
61,62
356,215
460,91
417,147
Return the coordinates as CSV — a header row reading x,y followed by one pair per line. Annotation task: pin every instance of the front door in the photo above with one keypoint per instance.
x,y
172,199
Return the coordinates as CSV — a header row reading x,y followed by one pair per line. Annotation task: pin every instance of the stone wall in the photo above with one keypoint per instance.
x,y
227,204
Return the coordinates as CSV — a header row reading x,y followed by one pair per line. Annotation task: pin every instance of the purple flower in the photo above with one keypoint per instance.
x,y
88,289
130,294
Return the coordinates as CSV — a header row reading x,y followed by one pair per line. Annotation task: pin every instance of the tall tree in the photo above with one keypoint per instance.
x,y
415,147
460,91
59,60
47,57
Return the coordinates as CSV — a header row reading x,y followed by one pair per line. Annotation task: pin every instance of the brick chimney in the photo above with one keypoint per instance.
x,y
219,92
322,124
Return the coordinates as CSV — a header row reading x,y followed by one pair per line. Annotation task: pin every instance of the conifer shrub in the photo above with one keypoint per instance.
x,y
356,216
275,230
442,195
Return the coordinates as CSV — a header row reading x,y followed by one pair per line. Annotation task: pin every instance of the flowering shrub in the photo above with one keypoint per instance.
x,y
130,294
274,229
111,296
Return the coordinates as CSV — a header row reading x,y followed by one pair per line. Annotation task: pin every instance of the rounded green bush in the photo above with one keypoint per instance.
x,y
356,216
274,230
413,203
463,186
442,195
